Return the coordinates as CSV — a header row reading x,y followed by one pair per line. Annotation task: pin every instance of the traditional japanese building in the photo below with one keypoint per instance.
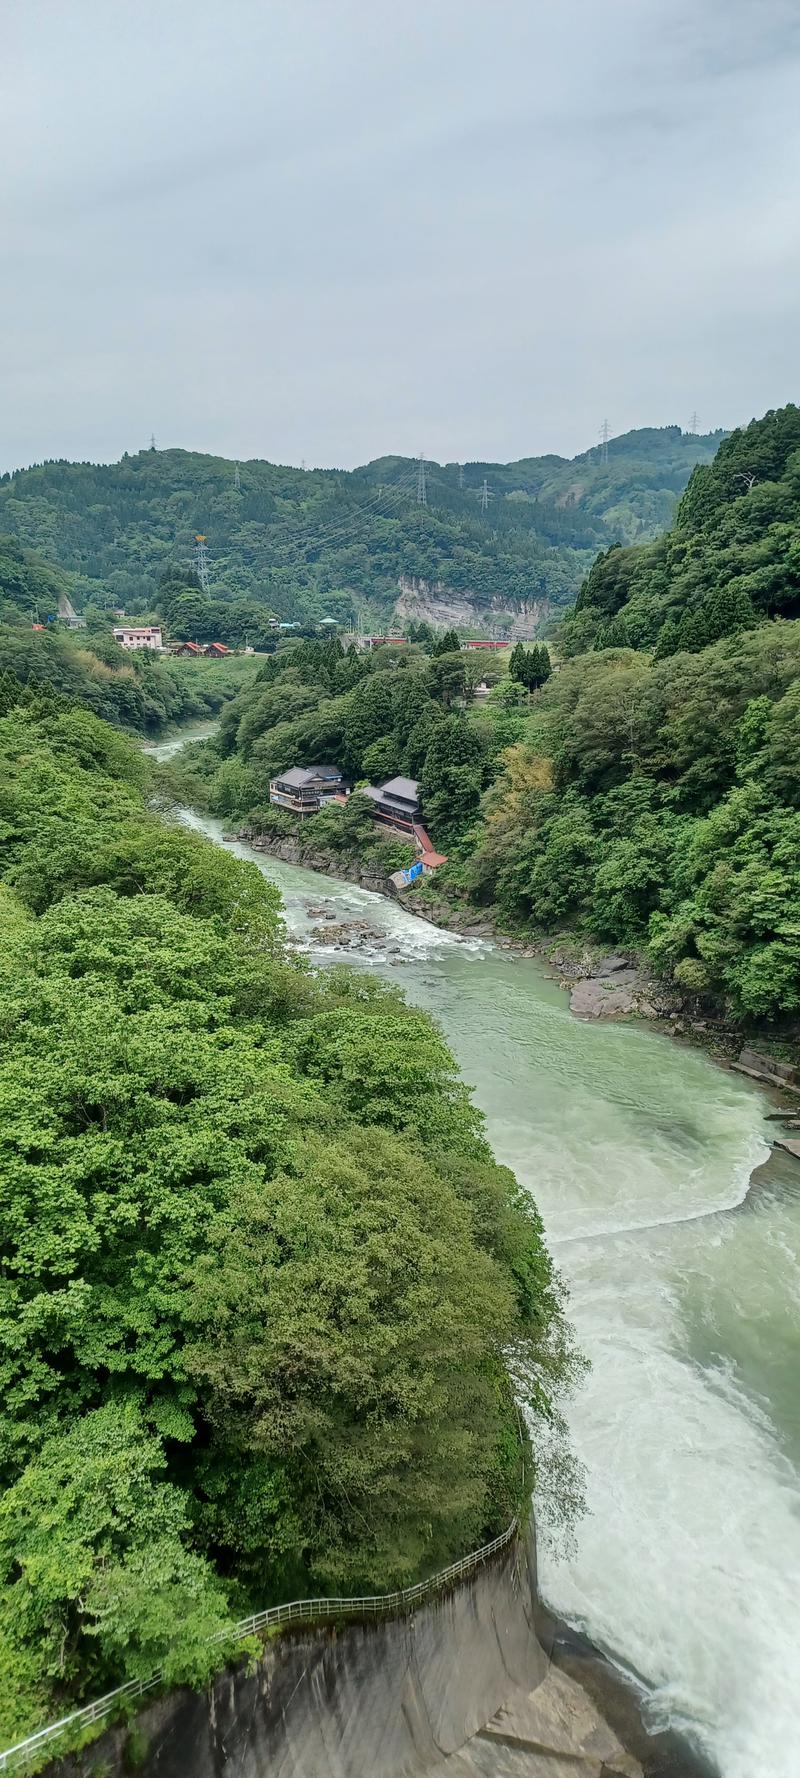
x,y
304,789
396,803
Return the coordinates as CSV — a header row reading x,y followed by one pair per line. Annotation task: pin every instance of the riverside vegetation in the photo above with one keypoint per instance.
x,y
268,1304
646,796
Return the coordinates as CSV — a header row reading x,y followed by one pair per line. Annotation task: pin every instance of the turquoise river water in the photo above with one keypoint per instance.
x,y
683,1267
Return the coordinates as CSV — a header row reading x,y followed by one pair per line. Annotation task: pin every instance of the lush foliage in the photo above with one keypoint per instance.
x,y
658,804
136,690
305,545
261,1276
530,667
731,560
375,715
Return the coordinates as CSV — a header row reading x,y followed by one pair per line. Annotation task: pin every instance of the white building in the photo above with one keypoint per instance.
x,y
138,635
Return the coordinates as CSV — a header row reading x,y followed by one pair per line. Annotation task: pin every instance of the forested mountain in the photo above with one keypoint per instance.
x,y
639,801
328,543
731,559
624,491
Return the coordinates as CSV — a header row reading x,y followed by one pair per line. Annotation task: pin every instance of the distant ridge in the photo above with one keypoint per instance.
x,y
503,538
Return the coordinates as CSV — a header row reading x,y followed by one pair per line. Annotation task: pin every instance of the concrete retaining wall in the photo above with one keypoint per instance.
x,y
365,1701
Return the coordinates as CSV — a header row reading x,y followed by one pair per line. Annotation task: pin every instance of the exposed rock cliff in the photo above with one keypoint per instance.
x,y
433,602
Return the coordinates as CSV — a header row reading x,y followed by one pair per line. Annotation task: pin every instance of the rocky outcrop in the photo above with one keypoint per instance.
x,y
768,1068
292,851
616,988
448,608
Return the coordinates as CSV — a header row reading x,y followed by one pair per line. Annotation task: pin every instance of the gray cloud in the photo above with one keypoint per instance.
x,y
333,228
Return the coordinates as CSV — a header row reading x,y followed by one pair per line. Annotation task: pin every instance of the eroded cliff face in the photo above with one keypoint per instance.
x,y
433,602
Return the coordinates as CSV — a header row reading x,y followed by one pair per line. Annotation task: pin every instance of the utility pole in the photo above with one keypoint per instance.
x,y
485,496
605,433
237,480
201,559
422,487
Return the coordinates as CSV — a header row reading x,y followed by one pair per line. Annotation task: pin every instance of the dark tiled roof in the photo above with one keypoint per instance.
x,y
407,788
296,775
301,775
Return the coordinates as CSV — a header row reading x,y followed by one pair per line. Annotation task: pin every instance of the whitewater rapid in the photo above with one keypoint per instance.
x,y
684,1291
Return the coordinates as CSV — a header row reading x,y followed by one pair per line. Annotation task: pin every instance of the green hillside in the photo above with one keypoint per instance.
x,y
731,560
133,690
307,544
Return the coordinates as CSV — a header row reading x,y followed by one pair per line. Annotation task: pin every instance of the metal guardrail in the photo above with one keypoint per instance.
x,y
299,1611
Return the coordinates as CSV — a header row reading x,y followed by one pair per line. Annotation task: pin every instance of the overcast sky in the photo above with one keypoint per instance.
x,y
329,229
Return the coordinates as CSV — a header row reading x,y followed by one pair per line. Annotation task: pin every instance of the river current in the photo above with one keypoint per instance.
x,y
683,1267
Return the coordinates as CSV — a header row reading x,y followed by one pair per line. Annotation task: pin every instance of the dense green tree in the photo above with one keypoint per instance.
x,y
194,1125
674,826
452,776
379,760
448,676
730,560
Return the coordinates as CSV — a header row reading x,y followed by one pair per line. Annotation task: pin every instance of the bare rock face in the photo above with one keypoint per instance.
x,y
449,608
619,994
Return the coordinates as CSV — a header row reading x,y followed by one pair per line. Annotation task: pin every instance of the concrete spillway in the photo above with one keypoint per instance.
x,y
460,1687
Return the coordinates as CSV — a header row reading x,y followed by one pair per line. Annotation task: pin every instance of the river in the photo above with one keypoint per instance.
x,y
684,1290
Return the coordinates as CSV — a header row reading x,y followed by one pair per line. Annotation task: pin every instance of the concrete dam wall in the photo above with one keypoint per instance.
x,y
375,1700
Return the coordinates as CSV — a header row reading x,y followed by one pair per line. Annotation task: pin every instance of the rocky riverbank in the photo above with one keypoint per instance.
x,y
292,850
601,985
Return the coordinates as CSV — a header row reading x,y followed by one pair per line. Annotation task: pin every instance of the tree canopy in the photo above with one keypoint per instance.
x,y
260,1273
731,560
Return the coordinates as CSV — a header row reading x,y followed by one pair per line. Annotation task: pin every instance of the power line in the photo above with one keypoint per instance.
x,y
422,491
360,515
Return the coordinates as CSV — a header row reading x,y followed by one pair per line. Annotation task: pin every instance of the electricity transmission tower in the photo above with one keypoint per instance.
x,y
201,559
237,480
152,441
485,496
461,475
422,487
605,433
693,426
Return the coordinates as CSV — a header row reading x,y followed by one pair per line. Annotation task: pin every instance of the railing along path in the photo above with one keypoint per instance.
x,y
299,1611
